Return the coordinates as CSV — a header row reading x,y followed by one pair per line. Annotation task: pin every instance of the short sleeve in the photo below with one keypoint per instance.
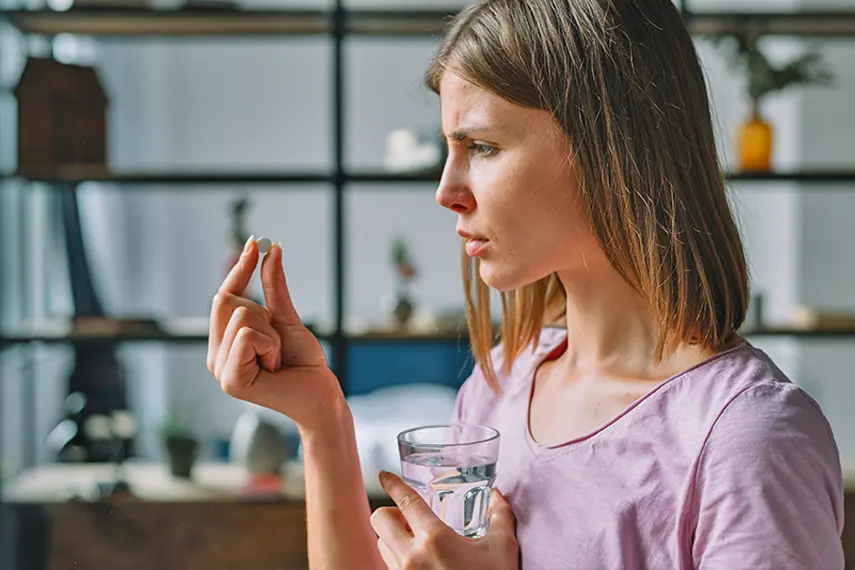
x,y
769,488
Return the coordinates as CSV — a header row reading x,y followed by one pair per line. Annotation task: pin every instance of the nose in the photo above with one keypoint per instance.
x,y
453,191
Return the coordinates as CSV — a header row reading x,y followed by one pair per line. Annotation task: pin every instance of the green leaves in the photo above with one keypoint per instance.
x,y
764,77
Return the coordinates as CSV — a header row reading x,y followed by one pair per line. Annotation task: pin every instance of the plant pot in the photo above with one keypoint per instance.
x,y
403,311
182,452
755,143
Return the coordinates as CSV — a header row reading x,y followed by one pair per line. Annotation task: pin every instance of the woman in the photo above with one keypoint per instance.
x,y
643,433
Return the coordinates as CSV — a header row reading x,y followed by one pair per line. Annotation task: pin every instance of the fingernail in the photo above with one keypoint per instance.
x,y
382,477
248,243
278,362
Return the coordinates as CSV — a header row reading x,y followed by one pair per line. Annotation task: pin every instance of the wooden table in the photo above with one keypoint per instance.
x,y
204,524
208,523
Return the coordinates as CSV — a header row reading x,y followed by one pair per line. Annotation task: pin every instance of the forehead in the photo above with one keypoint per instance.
x,y
466,106
463,101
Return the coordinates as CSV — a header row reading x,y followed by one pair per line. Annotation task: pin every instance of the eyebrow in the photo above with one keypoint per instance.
x,y
464,133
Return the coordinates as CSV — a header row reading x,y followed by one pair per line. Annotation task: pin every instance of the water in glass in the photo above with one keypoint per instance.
x,y
457,487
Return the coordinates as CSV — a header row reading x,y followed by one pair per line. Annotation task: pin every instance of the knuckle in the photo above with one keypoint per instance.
x,y
230,388
432,540
218,301
408,501
244,335
242,314
503,510
421,556
378,515
221,302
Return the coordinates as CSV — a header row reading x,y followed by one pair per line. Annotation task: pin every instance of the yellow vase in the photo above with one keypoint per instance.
x,y
755,141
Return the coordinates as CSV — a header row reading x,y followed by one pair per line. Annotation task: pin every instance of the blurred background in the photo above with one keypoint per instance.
x,y
142,142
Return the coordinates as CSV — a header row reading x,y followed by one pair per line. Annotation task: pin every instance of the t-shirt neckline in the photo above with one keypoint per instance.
x,y
540,450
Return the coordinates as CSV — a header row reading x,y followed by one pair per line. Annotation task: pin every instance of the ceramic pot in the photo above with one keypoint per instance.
x,y
182,452
259,445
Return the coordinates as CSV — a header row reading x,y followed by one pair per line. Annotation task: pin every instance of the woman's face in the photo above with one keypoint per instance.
x,y
509,179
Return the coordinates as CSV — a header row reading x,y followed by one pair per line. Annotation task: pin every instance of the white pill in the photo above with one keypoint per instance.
x,y
263,245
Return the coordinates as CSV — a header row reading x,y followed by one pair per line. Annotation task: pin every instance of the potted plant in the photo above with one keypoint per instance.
x,y
181,446
755,137
405,271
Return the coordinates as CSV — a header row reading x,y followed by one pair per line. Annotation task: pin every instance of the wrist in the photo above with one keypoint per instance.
x,y
333,421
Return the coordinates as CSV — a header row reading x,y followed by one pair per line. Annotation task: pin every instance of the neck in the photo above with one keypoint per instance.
x,y
611,330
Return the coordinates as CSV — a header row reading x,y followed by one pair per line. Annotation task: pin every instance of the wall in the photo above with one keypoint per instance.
x,y
265,104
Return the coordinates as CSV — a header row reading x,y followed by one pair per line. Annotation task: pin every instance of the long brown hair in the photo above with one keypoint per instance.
x,y
623,80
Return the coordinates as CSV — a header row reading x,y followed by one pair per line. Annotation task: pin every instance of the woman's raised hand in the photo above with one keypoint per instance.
x,y
265,355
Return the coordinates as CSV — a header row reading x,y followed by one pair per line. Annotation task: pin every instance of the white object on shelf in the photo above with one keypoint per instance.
x,y
380,416
405,152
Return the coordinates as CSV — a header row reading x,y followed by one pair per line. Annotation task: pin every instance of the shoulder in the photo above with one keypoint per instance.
x,y
761,407
771,422
768,469
476,393
741,389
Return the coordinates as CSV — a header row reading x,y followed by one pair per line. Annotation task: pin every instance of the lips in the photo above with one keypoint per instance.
x,y
475,244
476,247
466,235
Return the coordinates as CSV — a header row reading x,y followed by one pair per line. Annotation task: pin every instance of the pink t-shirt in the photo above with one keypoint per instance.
x,y
725,466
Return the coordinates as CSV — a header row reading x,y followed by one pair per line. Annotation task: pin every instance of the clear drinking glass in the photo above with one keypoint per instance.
x,y
453,467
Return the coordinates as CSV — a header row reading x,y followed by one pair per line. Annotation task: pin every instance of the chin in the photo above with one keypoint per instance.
x,y
503,278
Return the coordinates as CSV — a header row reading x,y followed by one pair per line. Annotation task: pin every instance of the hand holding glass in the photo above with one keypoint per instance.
x,y
453,468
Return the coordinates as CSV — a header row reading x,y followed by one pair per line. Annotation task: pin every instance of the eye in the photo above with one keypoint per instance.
x,y
482,149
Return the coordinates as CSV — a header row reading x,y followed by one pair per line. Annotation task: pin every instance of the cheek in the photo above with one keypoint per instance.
x,y
536,241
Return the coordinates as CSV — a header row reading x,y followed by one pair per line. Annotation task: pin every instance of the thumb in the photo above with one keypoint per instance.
x,y
502,520
276,293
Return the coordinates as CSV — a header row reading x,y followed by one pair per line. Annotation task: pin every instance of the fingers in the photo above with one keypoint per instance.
x,y
391,527
240,275
222,309
502,521
241,367
416,512
242,318
389,557
276,294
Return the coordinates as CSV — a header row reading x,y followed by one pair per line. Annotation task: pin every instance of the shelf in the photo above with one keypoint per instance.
x,y
196,331
193,330
816,176
225,22
810,24
84,174
801,333
78,175
397,22
177,331
143,22
391,178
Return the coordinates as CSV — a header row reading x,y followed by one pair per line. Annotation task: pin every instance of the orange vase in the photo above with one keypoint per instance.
x,y
755,141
